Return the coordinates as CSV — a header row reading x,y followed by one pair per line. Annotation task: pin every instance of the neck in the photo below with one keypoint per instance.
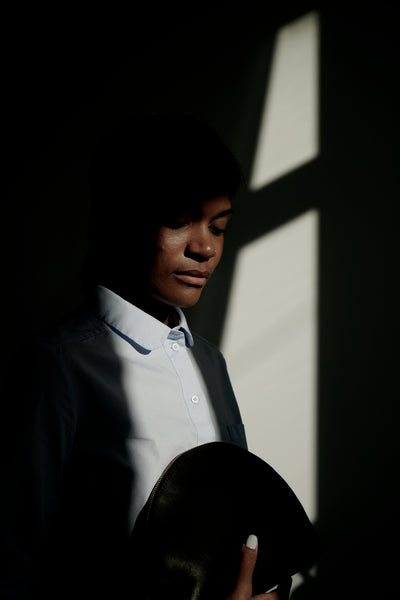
x,y
160,311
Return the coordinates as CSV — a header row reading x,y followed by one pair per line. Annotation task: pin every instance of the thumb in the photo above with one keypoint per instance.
x,y
244,586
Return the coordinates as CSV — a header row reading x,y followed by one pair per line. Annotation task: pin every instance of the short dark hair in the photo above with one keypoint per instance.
x,y
165,159
148,169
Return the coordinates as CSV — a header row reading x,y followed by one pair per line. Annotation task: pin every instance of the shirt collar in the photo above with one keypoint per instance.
x,y
134,323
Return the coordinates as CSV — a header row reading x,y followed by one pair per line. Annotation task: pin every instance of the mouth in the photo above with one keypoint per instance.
x,y
193,277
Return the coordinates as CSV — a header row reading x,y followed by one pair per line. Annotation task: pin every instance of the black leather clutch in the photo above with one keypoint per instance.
x,y
186,543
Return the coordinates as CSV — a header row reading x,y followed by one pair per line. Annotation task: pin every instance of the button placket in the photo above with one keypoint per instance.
x,y
192,394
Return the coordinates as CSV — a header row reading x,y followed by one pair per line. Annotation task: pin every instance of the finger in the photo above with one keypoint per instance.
x,y
249,557
244,585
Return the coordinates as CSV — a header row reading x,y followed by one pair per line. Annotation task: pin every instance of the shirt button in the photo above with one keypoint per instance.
x,y
195,399
175,346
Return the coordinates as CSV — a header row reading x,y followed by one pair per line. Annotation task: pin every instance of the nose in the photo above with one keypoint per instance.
x,y
200,246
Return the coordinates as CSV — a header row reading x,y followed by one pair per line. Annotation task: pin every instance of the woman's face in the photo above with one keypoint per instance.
x,y
186,253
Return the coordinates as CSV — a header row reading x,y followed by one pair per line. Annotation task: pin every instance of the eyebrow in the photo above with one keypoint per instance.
x,y
224,213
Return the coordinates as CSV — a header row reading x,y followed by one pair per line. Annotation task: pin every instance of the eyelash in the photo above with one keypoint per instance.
x,y
178,224
217,230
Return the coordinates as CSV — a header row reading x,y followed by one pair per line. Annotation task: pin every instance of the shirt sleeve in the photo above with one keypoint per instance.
x,y
40,430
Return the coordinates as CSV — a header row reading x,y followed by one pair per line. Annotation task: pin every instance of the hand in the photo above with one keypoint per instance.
x,y
244,586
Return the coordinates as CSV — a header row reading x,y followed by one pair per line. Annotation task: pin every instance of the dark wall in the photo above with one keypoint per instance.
x,y
356,431
72,79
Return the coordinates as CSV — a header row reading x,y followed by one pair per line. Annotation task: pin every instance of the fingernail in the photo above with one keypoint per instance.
x,y
252,542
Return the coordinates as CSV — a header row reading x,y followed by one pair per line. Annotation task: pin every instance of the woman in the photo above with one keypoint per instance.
x,y
122,386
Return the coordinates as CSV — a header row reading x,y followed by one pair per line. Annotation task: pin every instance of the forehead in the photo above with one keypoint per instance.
x,y
219,204
209,208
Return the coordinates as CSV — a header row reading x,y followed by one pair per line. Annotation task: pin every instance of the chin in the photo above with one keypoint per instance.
x,y
187,304
187,300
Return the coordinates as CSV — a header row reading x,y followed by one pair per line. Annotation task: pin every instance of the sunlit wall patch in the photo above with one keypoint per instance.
x,y
270,342
288,133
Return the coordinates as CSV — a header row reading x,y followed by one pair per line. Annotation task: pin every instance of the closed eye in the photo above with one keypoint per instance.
x,y
178,224
217,230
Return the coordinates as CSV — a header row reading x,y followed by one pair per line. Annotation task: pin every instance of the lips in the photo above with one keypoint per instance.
x,y
193,277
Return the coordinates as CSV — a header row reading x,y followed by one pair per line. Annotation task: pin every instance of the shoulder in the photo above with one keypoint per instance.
x,y
80,326
64,349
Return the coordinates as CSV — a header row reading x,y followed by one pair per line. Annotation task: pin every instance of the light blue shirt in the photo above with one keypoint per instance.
x,y
165,391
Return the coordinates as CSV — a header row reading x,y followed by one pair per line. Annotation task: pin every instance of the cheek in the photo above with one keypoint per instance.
x,y
165,257
168,239
170,244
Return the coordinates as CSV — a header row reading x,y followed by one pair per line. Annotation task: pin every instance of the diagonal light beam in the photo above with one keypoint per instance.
x,y
288,134
270,332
